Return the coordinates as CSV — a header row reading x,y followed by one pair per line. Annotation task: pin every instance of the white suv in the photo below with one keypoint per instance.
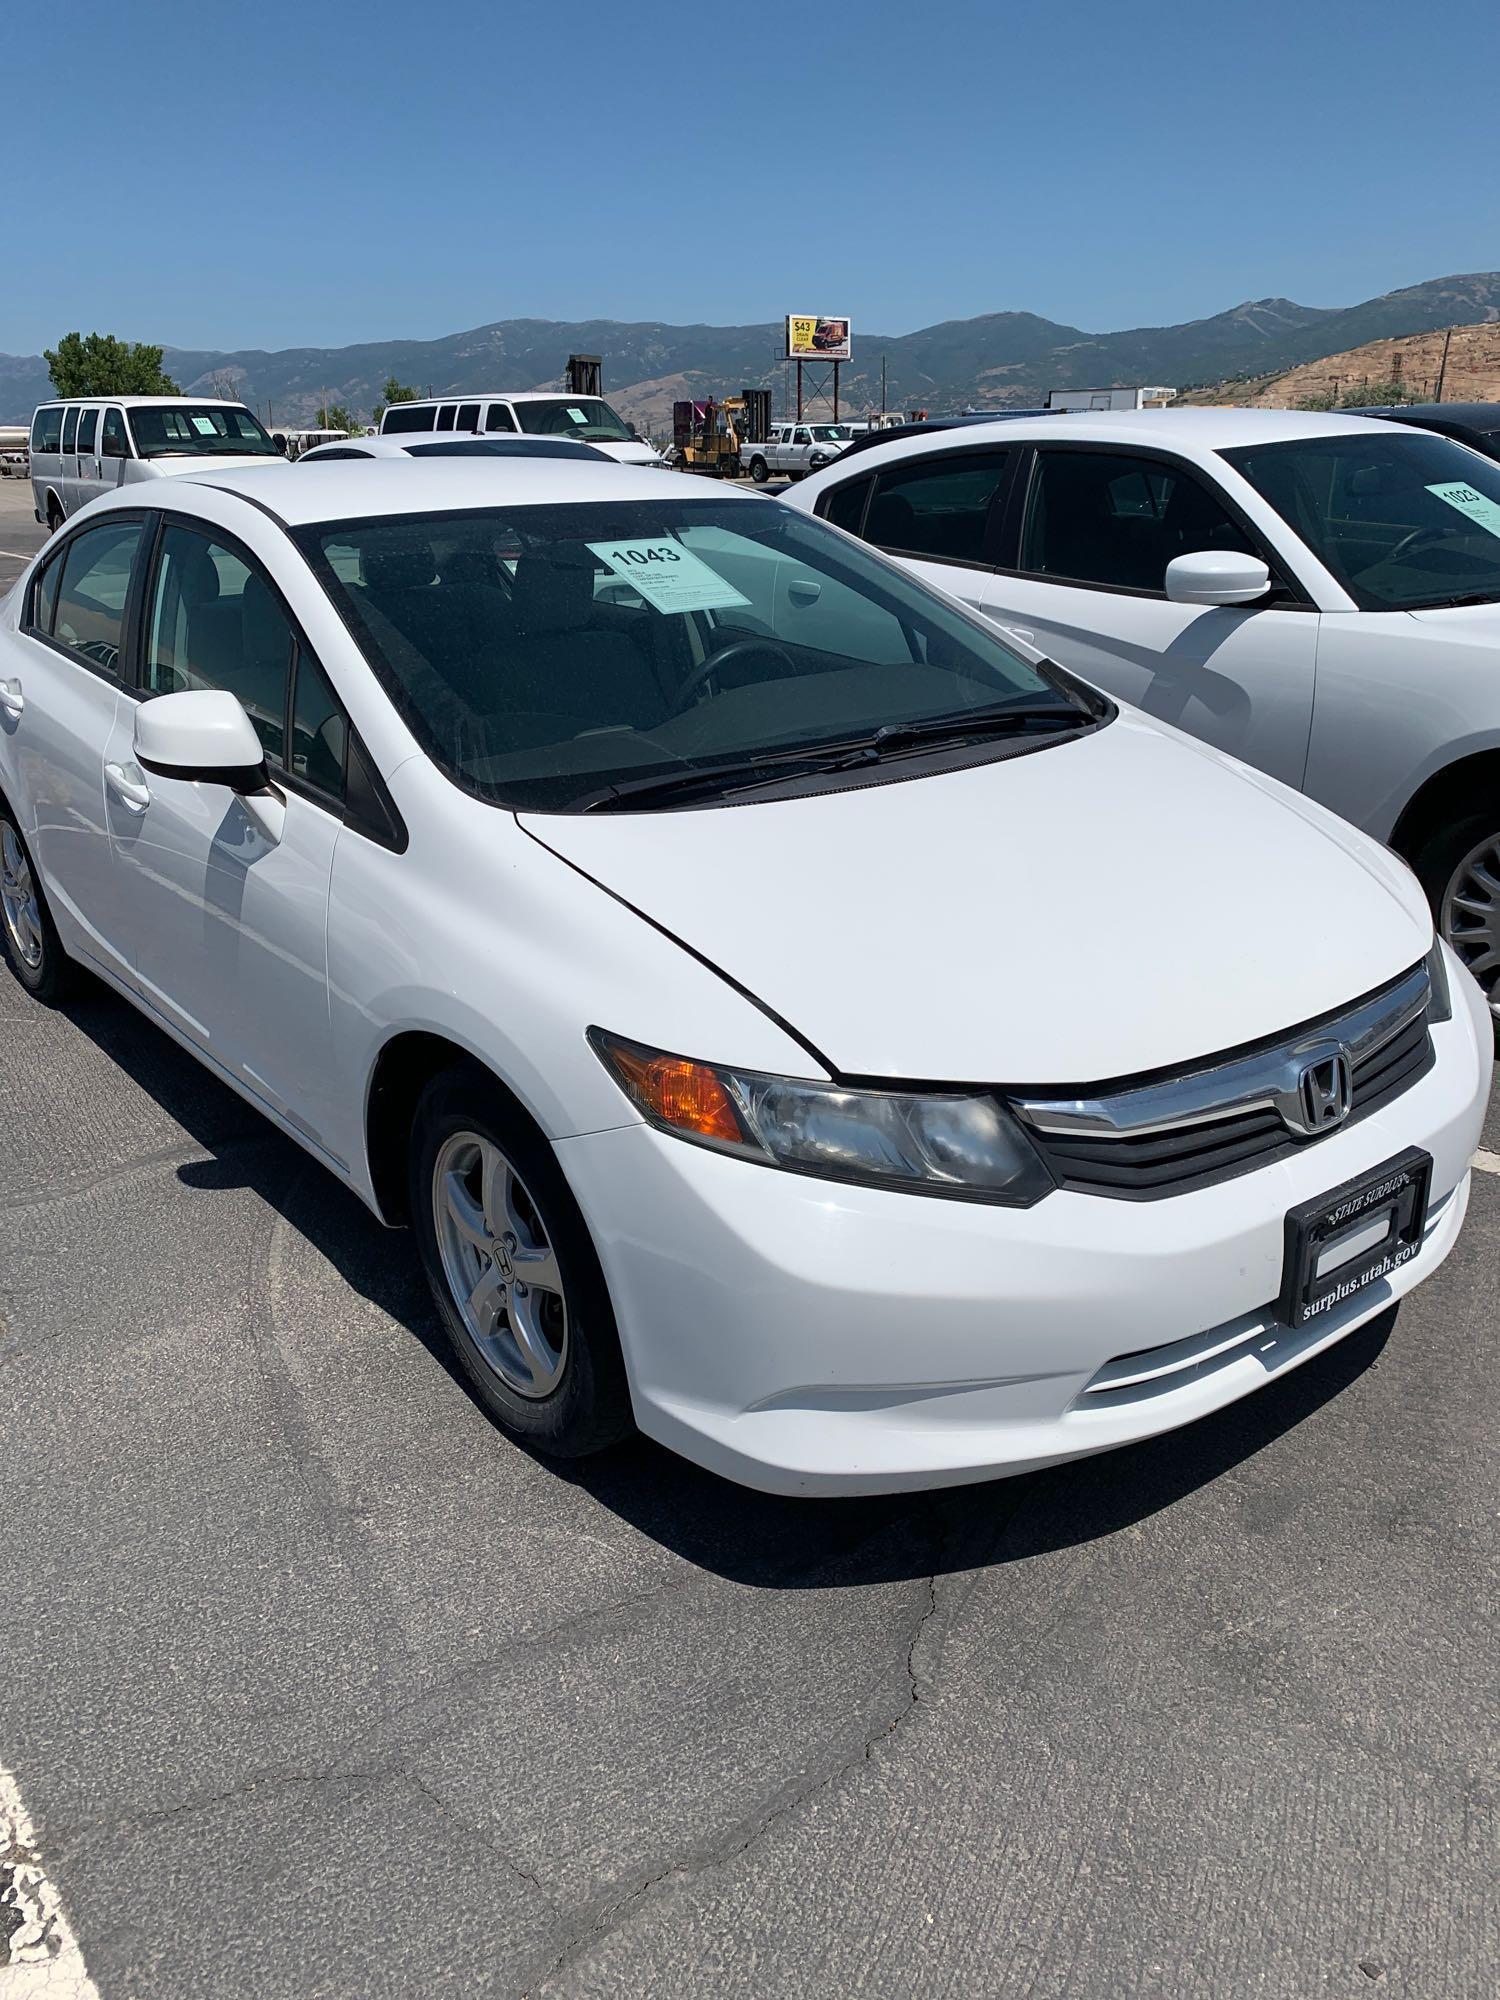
x,y
537,412
1319,595
784,1012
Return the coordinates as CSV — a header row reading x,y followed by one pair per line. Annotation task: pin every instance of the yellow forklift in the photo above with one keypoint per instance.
x,y
706,436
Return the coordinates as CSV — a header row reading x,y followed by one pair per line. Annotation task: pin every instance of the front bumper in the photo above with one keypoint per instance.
x,y
805,1337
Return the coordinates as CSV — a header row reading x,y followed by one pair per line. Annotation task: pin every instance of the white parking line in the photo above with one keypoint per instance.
x,y
39,1955
16,555
1487,1163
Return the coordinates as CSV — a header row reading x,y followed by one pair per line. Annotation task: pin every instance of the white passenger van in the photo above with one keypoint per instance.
x,y
542,413
83,446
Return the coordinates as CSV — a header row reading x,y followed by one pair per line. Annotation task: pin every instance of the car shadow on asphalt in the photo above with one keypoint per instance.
x,y
760,1540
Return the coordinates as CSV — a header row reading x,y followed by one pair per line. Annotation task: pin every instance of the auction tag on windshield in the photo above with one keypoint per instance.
x,y
204,426
1459,494
668,576
578,416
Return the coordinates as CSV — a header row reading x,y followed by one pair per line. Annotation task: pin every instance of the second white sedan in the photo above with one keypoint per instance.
x,y
1319,595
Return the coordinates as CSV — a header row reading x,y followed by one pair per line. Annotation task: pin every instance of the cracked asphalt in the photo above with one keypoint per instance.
x,y
315,1685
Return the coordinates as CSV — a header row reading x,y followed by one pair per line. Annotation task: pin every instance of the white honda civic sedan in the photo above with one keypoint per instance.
x,y
788,1016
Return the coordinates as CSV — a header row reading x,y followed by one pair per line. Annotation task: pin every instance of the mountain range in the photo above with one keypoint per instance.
x,y
996,359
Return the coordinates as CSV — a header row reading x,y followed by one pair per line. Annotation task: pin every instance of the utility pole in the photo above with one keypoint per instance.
x,y
882,385
1443,365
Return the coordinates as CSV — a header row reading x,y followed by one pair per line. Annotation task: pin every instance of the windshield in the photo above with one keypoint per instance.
x,y
216,430
829,434
543,654
1405,522
573,416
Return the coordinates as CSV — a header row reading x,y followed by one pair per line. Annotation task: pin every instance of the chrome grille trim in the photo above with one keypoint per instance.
x,y
1265,1080
1167,1135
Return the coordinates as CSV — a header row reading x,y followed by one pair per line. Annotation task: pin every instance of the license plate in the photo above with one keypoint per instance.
x,y
1354,1235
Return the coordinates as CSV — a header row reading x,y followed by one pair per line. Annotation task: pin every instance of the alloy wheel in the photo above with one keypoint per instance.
x,y
1470,916
502,1271
18,903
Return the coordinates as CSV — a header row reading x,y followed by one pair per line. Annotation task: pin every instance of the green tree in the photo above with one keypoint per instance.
x,y
105,366
397,392
334,417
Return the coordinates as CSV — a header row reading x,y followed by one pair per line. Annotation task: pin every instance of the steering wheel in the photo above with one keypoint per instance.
x,y
1440,533
737,649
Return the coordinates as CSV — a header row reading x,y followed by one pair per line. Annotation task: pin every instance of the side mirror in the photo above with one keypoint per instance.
x,y
1225,577
202,736
278,438
112,445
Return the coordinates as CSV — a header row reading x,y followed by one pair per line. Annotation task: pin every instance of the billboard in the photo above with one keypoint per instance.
x,y
812,338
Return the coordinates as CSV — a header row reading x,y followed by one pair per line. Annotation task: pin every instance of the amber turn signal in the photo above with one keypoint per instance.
x,y
687,1096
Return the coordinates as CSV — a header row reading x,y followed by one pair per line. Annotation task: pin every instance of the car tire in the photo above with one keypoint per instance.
x,y
760,472
28,937
1456,868
513,1270
55,517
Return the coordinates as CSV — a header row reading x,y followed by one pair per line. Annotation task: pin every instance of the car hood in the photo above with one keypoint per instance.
x,y
189,465
1477,622
1129,900
629,452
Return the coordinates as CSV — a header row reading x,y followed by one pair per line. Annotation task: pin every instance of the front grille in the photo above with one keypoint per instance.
x,y
1166,1136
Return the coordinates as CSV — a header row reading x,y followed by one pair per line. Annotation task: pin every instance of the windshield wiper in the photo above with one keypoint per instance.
x,y
892,739
1491,596
711,780
895,739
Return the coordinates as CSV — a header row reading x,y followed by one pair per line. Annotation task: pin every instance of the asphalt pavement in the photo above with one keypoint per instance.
x,y
21,535
316,1685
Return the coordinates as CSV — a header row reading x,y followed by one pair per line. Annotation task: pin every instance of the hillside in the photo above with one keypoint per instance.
x,y
1471,376
995,359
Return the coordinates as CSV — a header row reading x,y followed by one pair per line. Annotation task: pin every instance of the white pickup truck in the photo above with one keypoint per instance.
x,y
795,449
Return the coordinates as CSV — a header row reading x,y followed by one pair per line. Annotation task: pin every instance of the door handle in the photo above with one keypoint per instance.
x,y
11,698
132,792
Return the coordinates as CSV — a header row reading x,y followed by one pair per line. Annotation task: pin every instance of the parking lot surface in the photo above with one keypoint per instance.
x,y
315,1684
21,535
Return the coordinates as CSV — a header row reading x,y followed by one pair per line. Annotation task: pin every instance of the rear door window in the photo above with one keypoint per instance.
x,y
46,430
938,507
845,505
43,600
408,417
445,417
87,423
90,614
69,430
468,417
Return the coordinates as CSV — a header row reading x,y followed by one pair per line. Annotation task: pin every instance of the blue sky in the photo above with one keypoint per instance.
x,y
227,175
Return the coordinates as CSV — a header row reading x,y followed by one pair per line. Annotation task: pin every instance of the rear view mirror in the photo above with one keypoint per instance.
x,y
202,736
1217,577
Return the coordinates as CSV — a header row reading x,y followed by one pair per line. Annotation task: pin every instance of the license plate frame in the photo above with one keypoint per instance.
x,y
1399,1188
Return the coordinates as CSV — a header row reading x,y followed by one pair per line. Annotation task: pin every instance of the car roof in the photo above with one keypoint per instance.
x,y
346,489
1483,416
458,444
868,440
1181,430
506,396
149,402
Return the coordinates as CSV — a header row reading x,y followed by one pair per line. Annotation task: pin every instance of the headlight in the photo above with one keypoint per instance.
x,y
1440,1005
964,1146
